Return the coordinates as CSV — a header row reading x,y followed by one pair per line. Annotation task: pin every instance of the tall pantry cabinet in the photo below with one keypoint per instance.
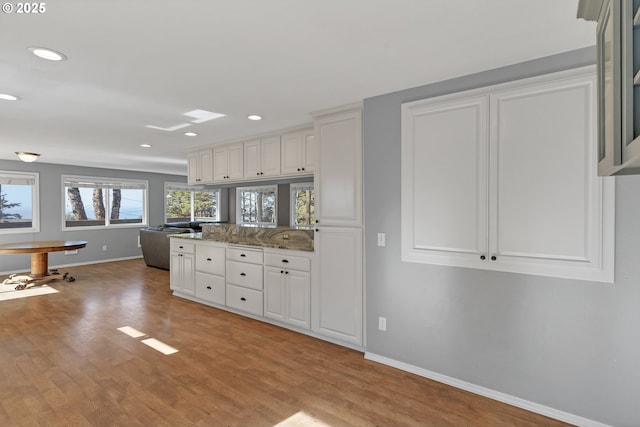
x,y
337,293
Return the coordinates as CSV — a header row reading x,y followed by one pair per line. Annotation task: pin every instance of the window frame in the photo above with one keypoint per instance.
x,y
180,186
239,222
293,188
105,181
35,201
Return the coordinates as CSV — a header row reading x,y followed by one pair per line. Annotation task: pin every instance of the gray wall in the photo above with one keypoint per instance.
x,y
121,243
570,345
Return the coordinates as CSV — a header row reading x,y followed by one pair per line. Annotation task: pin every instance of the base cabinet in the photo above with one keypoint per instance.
x,y
182,267
287,289
337,284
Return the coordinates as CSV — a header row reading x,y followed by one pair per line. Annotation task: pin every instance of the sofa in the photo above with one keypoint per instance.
x,y
155,243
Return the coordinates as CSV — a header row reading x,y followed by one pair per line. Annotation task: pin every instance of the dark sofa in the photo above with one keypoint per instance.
x,y
155,242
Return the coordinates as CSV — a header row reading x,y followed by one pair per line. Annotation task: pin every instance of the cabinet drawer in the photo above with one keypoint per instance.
x,y
245,255
180,245
210,259
287,261
211,288
244,274
244,299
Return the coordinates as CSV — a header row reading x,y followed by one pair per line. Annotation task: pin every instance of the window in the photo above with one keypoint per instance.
x,y
103,202
19,211
188,203
302,205
256,205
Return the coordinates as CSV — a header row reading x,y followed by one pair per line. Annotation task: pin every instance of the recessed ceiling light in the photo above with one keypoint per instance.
x,y
145,145
8,97
190,134
48,54
254,117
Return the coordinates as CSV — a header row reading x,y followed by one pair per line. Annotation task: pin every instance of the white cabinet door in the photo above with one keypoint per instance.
x,y
193,168
252,156
337,284
270,156
182,273
220,164
298,298
228,163
290,154
200,167
338,177
274,293
309,151
445,167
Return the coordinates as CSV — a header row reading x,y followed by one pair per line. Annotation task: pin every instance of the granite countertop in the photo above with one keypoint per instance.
x,y
279,237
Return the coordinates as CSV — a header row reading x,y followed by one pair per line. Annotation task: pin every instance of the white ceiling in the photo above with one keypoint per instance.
x,y
137,63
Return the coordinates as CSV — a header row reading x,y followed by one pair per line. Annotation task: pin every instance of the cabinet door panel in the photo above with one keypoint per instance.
x,y
309,152
252,155
543,203
445,187
298,298
220,168
235,161
290,156
270,156
274,293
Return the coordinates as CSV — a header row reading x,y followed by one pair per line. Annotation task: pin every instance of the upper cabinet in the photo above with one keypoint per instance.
x,y
228,163
618,51
504,178
297,154
200,167
262,157
338,176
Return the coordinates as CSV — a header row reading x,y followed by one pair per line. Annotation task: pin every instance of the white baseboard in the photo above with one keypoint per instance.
x,y
486,392
59,266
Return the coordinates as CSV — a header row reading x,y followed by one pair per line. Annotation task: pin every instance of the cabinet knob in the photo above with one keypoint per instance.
x,y
286,272
482,257
243,299
317,229
257,173
493,258
242,274
181,247
209,259
286,261
208,287
317,221
281,271
298,169
302,168
261,173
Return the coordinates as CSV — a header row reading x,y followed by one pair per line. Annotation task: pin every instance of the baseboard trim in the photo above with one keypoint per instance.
x,y
59,266
486,392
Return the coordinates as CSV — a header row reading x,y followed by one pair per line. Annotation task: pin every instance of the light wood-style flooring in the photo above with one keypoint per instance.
x,y
64,363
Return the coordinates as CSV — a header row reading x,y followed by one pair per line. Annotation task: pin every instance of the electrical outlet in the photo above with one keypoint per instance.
x,y
104,247
382,239
382,323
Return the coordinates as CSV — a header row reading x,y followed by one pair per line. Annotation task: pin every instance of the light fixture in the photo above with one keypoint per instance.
x,y
191,134
145,145
9,97
48,54
254,117
27,157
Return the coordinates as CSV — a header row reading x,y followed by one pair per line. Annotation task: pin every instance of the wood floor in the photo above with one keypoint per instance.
x,y
64,363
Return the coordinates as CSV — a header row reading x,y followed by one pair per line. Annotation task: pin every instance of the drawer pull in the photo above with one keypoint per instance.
x,y
208,287
181,247
243,299
209,259
243,274
243,255
286,261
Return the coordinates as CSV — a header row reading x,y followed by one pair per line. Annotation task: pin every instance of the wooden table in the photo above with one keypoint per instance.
x,y
40,252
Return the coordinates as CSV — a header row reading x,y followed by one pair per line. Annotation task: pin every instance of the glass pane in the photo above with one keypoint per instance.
x,y
127,206
304,214
16,208
205,205
84,206
178,206
257,206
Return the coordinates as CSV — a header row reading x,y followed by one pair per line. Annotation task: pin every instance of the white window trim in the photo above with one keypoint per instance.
x,y
35,202
256,188
180,186
106,180
293,188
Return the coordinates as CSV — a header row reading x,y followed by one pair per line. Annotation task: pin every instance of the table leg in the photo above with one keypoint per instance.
x,y
39,264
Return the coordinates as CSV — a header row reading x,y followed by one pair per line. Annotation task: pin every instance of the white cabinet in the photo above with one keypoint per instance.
x,y
338,176
244,277
504,178
182,268
337,293
200,167
298,152
228,164
287,287
210,272
262,158
618,57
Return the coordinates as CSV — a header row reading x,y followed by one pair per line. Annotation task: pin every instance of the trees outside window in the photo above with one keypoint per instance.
x,y
19,211
302,205
189,203
257,205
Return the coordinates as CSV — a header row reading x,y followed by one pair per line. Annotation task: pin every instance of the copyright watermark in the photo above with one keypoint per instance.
x,y
25,8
